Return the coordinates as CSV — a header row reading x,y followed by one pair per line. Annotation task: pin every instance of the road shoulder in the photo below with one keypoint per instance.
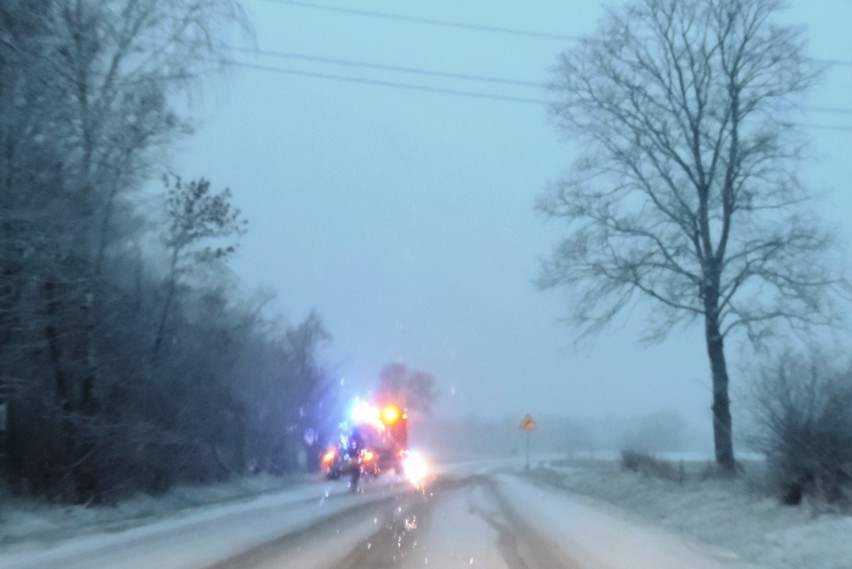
x,y
732,514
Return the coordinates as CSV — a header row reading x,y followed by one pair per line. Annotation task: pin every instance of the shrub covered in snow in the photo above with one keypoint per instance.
x,y
803,412
649,465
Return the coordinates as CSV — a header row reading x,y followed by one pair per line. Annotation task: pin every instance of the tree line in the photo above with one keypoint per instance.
x,y
128,359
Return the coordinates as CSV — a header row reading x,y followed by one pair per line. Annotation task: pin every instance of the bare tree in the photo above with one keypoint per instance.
x,y
86,88
197,220
119,61
414,389
686,193
84,114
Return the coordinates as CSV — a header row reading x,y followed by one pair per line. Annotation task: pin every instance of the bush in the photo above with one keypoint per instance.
x,y
649,466
803,412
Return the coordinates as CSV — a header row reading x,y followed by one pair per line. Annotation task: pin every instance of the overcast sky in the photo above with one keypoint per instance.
x,y
406,218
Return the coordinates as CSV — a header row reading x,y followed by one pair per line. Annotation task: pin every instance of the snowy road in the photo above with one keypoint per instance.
x,y
476,515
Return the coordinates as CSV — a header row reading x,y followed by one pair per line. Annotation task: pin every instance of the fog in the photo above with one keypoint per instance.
x,y
660,433
405,218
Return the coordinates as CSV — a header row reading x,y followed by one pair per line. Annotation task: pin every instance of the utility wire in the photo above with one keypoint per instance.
x,y
836,62
467,26
392,84
429,21
435,73
441,90
382,67
833,110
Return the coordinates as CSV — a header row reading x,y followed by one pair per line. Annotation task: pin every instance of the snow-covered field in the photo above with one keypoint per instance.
x,y
734,514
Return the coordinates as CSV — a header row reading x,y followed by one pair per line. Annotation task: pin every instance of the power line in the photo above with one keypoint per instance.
x,y
833,110
468,26
836,62
441,90
822,127
382,67
429,21
391,84
435,73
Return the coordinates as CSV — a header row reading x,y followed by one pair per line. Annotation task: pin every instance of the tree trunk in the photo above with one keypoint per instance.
x,y
722,432
76,401
167,305
51,333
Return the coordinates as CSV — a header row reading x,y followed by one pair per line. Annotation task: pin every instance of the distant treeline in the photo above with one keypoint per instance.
x,y
128,360
658,432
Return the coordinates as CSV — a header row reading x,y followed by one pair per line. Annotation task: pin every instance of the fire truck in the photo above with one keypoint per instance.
x,y
373,441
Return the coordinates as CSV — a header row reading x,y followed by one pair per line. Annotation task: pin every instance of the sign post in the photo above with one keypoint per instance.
x,y
528,425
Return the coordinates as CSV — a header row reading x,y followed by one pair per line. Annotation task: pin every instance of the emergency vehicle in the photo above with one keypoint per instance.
x,y
373,441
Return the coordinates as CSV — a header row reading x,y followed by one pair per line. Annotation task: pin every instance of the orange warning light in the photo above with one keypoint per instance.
x,y
390,414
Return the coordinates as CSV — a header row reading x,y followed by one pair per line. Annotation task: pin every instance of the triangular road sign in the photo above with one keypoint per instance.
x,y
528,424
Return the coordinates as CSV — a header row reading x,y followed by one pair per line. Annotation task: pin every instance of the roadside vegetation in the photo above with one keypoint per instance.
x,y
800,417
740,519
802,405
129,358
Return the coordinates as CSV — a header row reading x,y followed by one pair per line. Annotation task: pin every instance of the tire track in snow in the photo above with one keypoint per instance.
x,y
520,545
322,530
404,539
399,538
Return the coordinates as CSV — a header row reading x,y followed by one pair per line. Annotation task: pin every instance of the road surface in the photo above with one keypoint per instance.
x,y
475,515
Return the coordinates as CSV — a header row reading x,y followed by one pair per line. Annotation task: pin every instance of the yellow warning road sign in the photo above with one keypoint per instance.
x,y
528,424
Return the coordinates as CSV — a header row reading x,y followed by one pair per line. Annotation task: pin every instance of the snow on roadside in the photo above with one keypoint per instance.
x,y
28,523
203,535
595,535
23,519
734,514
